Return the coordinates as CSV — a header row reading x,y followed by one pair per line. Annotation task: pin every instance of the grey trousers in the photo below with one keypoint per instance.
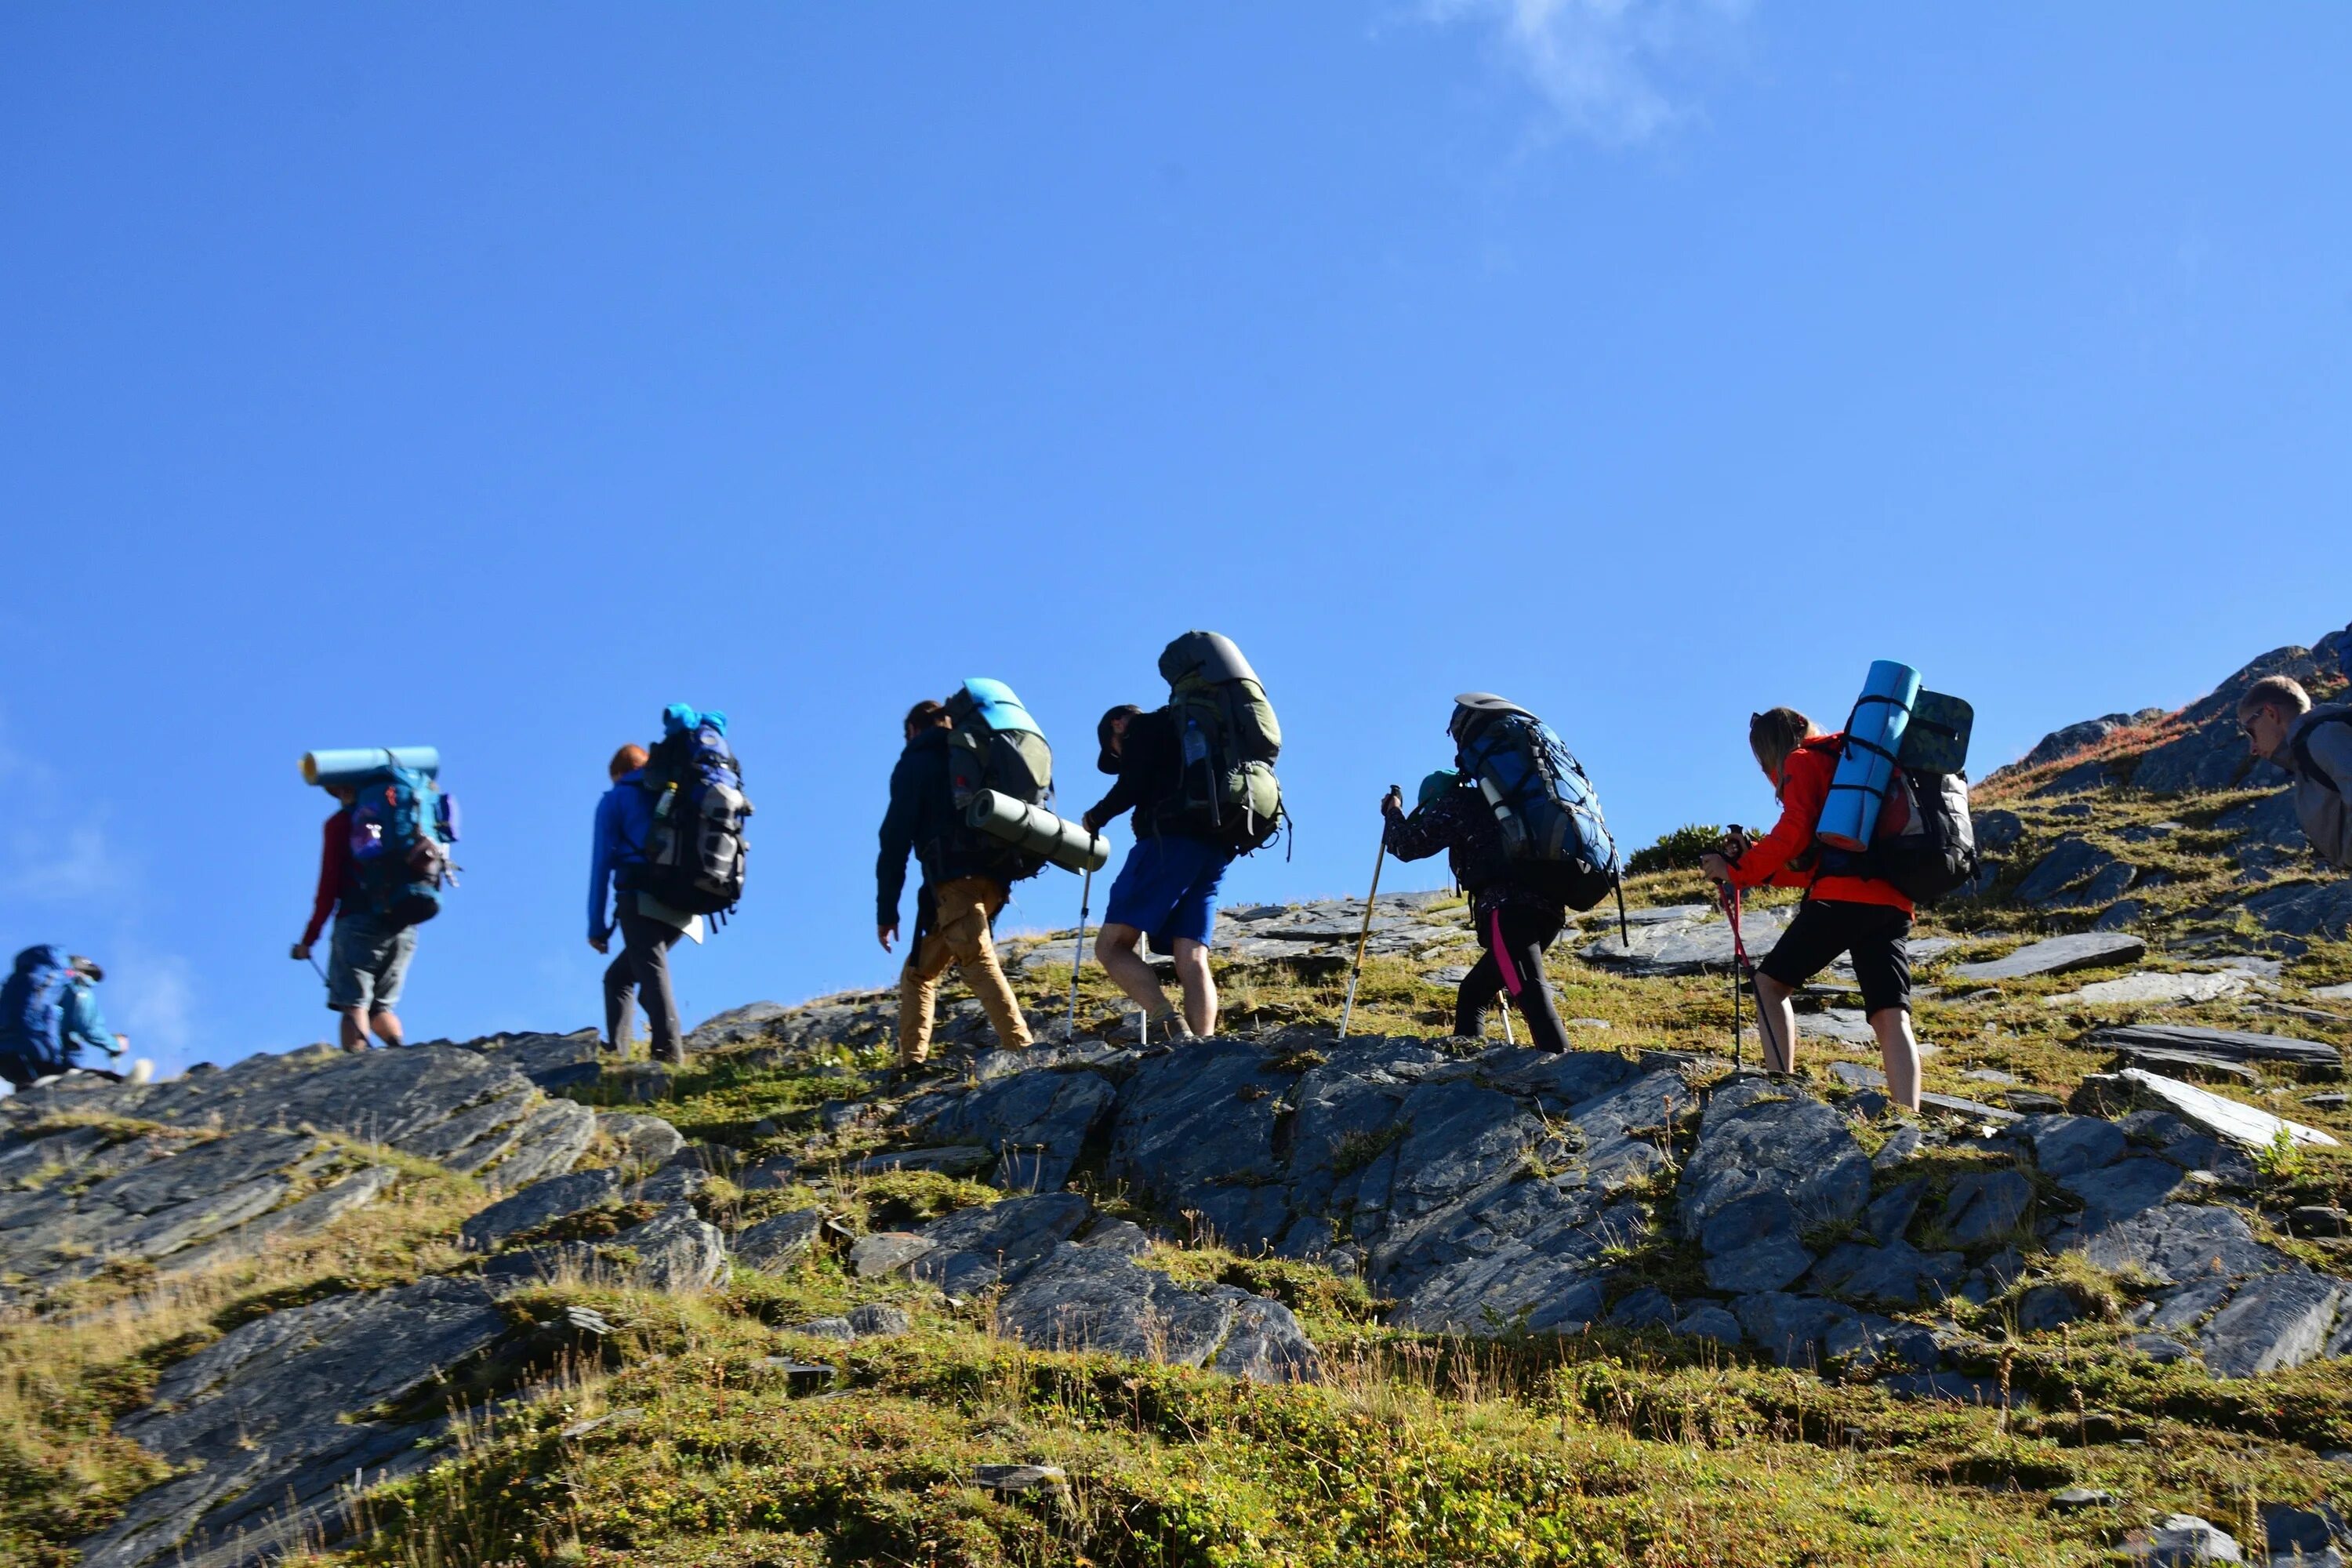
x,y
641,969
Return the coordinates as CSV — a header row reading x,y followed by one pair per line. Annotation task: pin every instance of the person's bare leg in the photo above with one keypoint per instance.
x,y
348,1033
1898,1047
1128,969
387,1026
1200,985
1776,1019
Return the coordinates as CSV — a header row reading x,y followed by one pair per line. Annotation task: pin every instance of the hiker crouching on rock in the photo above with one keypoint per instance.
x,y
367,962
1515,921
640,972
1842,912
1167,887
959,899
48,1016
2314,746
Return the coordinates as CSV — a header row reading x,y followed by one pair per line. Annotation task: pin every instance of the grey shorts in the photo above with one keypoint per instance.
x,y
366,965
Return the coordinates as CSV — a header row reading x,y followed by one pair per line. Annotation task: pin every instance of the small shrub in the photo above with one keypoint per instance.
x,y
2282,1159
1677,851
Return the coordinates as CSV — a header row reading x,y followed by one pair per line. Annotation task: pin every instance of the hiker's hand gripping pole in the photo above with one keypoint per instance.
x,y
1364,937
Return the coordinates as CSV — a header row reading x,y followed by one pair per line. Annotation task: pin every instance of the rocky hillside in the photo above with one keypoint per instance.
x,y
1276,1297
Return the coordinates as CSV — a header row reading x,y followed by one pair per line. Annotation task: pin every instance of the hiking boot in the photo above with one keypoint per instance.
x,y
1167,1028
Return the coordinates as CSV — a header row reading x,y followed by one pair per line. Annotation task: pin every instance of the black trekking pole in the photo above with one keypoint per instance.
x,y
1364,937
1078,953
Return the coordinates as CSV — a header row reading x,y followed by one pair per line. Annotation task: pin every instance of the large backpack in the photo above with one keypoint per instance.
x,y
1554,836
402,827
33,1007
1924,842
993,744
694,854
1229,739
2309,766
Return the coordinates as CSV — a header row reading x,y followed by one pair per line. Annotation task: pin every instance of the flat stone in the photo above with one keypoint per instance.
x,y
2302,1535
887,1252
1708,1321
1847,1026
2162,1349
1648,1308
1946,1387
1800,1149
2073,1500
646,1141
1900,1145
2046,1307
2276,1320
2189,1064
1082,1298
2127,1188
2223,1117
1896,1274
840,1328
2318,1219
1036,1122
2058,955
975,1248
2095,875
879,1321
674,1250
2231,1044
1967,1109
2068,1145
954,1160
1767,1265
1801,1330
2181,1539
2150,988
2342,993
542,1203
774,1243
1985,1205
2178,1243
1989,1075
1012,1479
1697,942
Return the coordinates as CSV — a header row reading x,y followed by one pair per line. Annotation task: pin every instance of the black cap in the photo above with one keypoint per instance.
x,y
1105,762
87,965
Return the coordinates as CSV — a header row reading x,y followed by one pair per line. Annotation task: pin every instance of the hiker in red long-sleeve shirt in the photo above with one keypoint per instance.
x,y
366,965
1842,912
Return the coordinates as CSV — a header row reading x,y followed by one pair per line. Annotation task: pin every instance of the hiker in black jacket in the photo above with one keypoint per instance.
x,y
1515,921
1167,887
957,903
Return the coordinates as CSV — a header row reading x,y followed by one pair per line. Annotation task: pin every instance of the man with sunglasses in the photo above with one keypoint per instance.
x,y
2313,745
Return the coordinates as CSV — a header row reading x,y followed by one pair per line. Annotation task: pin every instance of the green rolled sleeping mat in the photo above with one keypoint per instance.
x,y
1038,831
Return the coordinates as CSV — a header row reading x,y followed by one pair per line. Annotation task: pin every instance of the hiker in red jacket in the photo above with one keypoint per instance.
x,y
366,963
1841,913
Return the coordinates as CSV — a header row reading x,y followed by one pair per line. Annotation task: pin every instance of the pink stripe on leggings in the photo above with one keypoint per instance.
x,y
1503,954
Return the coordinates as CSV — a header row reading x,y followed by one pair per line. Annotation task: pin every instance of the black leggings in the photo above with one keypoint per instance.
x,y
1515,939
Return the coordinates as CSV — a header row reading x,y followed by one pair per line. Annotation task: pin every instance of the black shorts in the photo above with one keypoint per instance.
x,y
1873,934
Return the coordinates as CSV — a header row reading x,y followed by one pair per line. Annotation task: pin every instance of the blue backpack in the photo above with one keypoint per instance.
x,y
402,827
1554,836
694,857
33,1007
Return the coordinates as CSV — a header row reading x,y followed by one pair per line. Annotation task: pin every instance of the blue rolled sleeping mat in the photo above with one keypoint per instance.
x,y
1874,740
349,764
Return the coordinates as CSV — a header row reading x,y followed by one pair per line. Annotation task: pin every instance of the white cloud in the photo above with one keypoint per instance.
x,y
1600,65
65,864
157,996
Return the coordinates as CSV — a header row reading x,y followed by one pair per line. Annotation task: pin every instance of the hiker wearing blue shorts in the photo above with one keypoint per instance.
x,y
1167,889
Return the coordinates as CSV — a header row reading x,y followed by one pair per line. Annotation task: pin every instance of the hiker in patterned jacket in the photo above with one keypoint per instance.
x,y
1515,921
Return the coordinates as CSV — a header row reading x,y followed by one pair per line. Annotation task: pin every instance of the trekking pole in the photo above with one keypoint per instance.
x,y
1730,897
1624,937
1078,953
1364,937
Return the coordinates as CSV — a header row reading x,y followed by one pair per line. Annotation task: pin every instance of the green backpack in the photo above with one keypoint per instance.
x,y
1229,739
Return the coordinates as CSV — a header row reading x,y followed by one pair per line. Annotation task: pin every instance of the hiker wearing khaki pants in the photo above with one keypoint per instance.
x,y
959,898
959,934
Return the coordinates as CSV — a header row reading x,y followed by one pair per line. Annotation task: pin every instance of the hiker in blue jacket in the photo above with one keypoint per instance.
x,y
49,1015
640,972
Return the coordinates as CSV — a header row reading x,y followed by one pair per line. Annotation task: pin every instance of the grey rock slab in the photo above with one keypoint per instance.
x,y
542,1203
2058,955
1708,1321
2067,1145
268,1417
2294,1533
1772,1263
1094,1298
949,1159
2046,1307
1036,1122
551,1061
1697,943
1984,1205
887,1252
2342,993
2276,1320
1847,1026
2221,1117
1901,1144
2147,988
879,1321
1648,1308
2127,1188
2181,1539
300,1218
1800,1148
975,1248
1896,1274
1622,1130
1967,1109
1529,1254
644,1140
1801,1330
785,1238
1186,1136
2179,1243
2072,861
2231,1044
2305,909
2189,1064
840,1328
1946,1387
674,1250
2162,1349
547,1142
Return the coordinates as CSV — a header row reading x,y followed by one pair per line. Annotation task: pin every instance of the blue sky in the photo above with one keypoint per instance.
x,y
489,377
